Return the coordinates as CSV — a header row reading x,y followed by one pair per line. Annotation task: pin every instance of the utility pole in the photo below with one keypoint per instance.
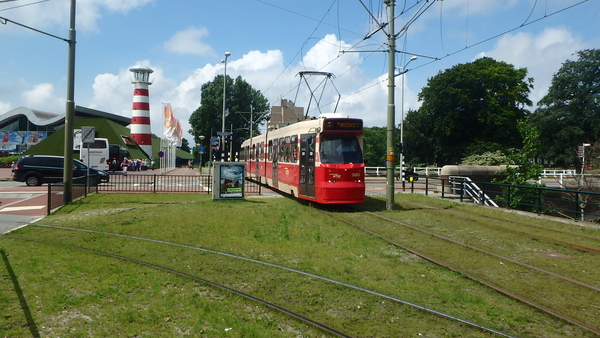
x,y
391,108
70,106
70,114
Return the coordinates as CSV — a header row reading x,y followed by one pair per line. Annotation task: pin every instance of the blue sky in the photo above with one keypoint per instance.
x,y
270,41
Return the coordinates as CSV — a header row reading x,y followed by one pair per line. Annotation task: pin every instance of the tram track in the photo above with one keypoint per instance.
x,y
588,243
289,312
408,242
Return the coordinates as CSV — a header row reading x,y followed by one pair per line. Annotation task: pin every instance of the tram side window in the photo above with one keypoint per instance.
x,y
270,154
282,150
337,149
294,149
262,151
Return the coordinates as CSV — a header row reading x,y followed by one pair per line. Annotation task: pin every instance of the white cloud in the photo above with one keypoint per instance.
x,y
42,95
541,54
189,41
113,92
57,13
5,107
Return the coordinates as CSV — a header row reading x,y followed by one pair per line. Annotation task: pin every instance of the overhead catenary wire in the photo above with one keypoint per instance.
x,y
406,8
29,4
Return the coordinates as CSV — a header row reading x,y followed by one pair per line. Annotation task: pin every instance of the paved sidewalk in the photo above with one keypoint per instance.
x,y
5,174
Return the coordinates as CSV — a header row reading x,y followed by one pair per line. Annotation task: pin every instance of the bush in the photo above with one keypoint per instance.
x,y
5,162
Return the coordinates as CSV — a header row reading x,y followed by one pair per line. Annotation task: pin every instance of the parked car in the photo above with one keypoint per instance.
x,y
39,169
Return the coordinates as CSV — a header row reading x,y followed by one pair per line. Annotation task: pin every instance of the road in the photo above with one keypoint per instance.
x,y
19,204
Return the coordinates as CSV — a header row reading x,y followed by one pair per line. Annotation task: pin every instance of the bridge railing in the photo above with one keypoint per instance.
x,y
573,204
436,171
422,171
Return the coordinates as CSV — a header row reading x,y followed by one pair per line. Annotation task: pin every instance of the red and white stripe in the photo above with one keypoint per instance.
x,y
140,118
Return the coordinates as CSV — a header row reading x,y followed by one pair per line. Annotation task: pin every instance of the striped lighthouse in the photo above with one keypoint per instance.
x,y
140,114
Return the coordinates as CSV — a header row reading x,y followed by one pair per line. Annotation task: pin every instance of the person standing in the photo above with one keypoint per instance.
x,y
125,165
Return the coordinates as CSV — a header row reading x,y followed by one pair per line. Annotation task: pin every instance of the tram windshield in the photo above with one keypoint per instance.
x,y
337,149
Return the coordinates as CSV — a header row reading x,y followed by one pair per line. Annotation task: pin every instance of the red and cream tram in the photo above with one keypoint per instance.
x,y
319,160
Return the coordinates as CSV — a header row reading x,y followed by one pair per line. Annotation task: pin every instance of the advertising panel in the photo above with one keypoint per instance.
x,y
19,141
229,180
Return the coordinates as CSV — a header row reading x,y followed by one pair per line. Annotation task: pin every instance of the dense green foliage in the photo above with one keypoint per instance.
x,y
375,140
488,158
5,162
468,109
185,145
522,171
241,98
569,114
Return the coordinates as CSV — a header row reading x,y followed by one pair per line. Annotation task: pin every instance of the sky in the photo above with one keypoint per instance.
x,y
271,41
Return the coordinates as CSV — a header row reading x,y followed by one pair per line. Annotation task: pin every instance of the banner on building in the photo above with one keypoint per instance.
x,y
172,129
19,141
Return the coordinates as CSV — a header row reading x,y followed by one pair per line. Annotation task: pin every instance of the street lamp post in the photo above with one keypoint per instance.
x,y
403,71
201,137
224,61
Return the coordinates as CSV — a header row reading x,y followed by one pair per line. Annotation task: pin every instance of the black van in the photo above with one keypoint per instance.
x,y
39,169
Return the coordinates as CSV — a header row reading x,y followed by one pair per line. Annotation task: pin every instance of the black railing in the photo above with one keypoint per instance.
x,y
56,192
158,183
142,184
574,204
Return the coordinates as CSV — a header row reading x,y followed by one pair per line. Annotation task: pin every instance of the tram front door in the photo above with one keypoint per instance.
x,y
307,164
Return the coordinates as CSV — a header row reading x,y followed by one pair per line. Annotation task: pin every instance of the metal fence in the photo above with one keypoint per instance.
x,y
424,171
574,204
56,192
142,184
158,183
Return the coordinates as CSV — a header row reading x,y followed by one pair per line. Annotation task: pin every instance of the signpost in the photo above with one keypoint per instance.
x,y
88,135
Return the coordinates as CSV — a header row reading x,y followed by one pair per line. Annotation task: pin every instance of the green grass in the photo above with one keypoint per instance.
x,y
58,291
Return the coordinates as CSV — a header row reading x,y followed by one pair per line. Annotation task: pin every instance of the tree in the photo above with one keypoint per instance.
x,y
522,170
374,144
492,158
419,139
468,109
241,97
569,114
185,145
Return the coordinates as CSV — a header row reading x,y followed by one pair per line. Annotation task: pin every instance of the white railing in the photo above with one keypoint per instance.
x,y
436,171
465,187
558,173
422,171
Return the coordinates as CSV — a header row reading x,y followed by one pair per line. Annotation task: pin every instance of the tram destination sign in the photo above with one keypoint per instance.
x,y
343,124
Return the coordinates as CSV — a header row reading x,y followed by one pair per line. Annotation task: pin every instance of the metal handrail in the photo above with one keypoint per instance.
x,y
470,188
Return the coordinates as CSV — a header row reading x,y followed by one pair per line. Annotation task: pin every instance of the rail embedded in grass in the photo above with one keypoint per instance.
x,y
278,231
